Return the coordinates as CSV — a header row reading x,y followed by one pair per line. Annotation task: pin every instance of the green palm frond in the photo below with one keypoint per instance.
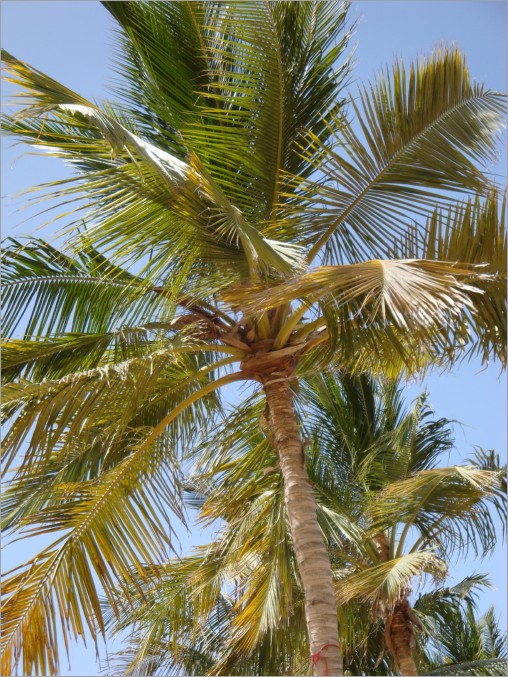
x,y
486,666
473,231
166,185
437,602
440,606
102,402
465,643
71,353
451,508
245,92
363,429
424,130
76,293
109,523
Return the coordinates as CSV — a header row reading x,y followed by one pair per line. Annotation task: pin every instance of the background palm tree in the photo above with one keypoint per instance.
x,y
458,641
227,168
414,516
236,607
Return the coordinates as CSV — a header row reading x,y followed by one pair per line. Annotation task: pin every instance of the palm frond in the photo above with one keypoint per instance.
x,y
468,589
450,507
164,182
430,299
47,292
259,73
424,130
111,523
465,643
486,666
96,406
388,582
473,232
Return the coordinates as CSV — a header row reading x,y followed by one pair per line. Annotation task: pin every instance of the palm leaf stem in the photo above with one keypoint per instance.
x,y
393,537
426,538
290,324
202,392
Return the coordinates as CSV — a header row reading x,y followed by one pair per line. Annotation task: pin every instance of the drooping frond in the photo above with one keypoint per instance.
x,y
474,232
386,583
141,189
108,524
450,507
102,468
74,293
440,606
429,300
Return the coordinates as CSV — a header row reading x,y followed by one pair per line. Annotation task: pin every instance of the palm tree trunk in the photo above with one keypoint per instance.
x,y
399,624
400,637
310,549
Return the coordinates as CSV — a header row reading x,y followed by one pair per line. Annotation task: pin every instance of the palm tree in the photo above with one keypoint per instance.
x,y
415,516
458,642
202,199
236,607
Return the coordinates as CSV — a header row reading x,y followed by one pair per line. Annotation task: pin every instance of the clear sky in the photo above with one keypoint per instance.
x,y
73,42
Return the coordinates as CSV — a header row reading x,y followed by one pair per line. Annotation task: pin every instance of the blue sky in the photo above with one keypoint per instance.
x,y
73,42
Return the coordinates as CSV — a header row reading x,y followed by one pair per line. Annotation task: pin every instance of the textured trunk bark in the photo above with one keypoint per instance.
x,y
310,550
401,639
399,628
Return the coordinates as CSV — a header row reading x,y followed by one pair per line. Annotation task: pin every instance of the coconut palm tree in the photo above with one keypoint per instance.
x,y
415,515
229,225
458,641
236,607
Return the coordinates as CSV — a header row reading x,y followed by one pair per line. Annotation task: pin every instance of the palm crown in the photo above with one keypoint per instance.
x,y
226,170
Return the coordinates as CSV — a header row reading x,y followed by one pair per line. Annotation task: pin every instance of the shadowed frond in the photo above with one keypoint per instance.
x,y
465,643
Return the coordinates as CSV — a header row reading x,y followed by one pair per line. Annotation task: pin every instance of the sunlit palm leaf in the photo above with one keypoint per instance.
x,y
428,298
448,506
109,523
385,584
182,186
259,73
417,149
